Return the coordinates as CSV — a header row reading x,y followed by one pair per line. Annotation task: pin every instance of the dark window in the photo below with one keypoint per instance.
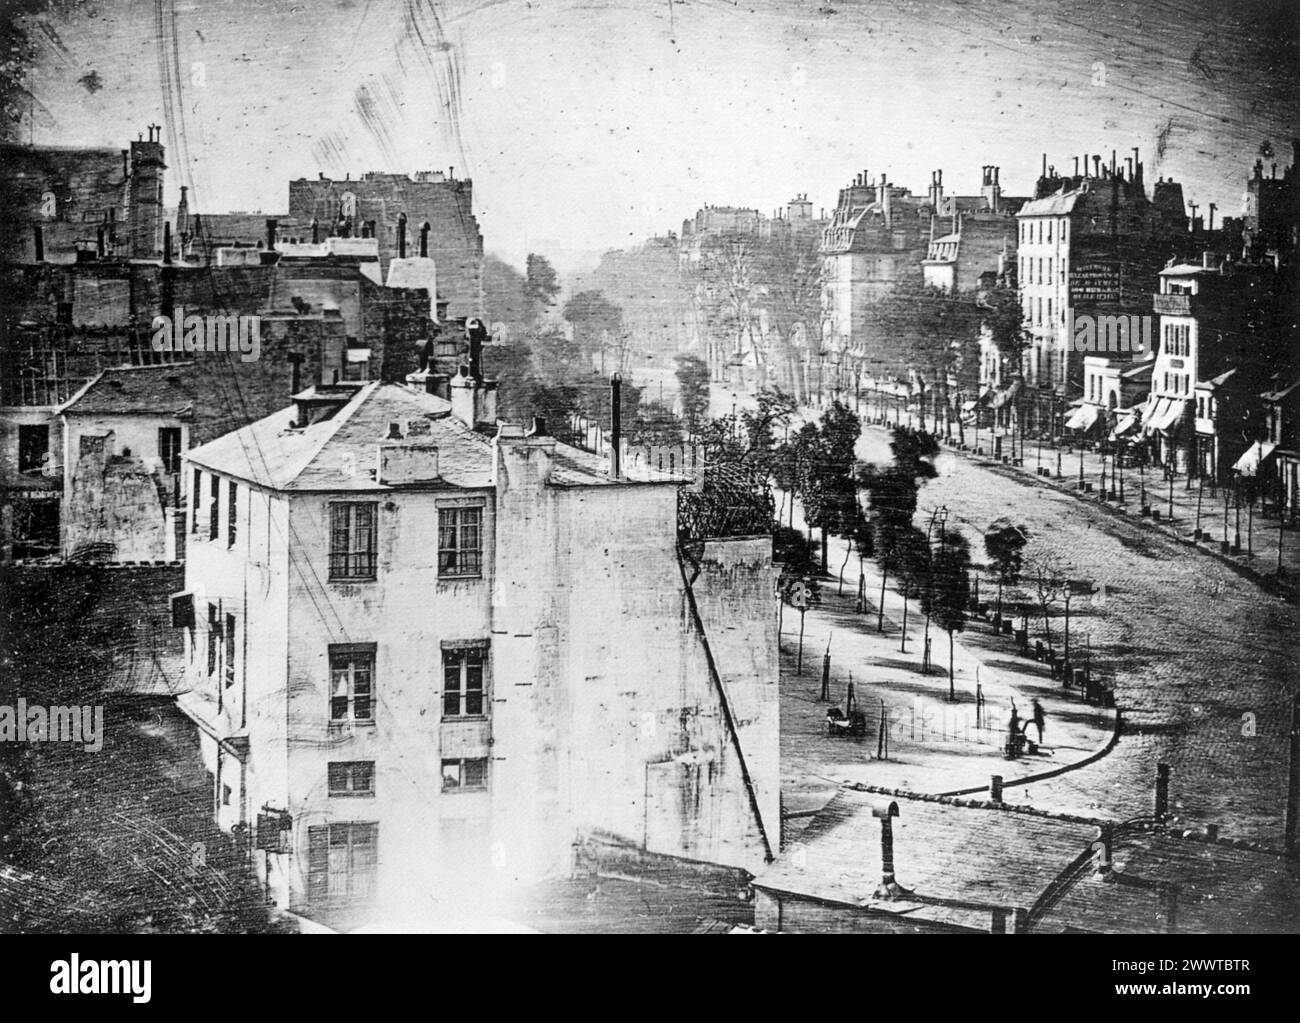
x,y
352,681
214,509
214,637
169,448
230,650
232,509
33,447
36,527
225,795
353,540
462,775
342,862
352,778
462,682
460,542
195,495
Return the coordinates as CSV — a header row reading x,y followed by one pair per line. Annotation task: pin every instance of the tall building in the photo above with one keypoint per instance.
x,y
399,210
399,673
1089,245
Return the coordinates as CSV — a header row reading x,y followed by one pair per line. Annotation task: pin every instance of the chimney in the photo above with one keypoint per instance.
x,y
889,887
1044,165
1096,165
295,372
271,225
401,236
616,427
1162,790
167,243
476,333
1076,166
424,240
38,236
1213,207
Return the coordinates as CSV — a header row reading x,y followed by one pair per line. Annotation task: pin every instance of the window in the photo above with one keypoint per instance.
x,y
214,509
225,795
230,650
352,682
231,511
33,448
353,540
342,862
460,542
194,497
464,775
169,448
462,682
352,778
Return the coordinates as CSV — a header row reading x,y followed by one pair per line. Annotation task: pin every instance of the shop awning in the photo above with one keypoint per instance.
x,y
1256,455
1168,415
1005,395
1128,421
1083,418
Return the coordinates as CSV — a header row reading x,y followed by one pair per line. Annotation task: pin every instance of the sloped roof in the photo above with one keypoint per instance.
x,y
338,454
1053,205
943,851
165,391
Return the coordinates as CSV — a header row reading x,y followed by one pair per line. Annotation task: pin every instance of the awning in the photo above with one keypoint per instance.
x,y
1005,395
1168,415
1083,418
1256,455
1128,421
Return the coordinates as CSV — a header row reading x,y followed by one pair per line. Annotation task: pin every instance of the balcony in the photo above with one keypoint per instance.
x,y
1175,305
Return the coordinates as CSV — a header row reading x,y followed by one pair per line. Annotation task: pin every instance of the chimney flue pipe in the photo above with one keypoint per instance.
x,y
616,427
401,236
167,243
271,225
1162,790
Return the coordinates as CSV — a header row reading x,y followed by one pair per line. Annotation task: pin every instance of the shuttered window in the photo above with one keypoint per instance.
x,y
342,862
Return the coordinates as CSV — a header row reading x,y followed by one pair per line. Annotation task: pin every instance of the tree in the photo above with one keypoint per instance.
x,y
692,391
541,285
948,594
594,320
1047,574
830,492
913,569
1004,319
1005,544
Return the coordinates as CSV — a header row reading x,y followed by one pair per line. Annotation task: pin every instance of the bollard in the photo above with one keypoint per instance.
x,y
826,676
995,788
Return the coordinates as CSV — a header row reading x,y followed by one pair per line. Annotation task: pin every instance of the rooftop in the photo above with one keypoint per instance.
x,y
165,391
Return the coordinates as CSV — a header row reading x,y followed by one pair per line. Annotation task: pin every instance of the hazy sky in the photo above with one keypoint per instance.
x,y
590,125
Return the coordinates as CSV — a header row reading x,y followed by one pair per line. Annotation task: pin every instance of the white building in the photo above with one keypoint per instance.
x,y
437,653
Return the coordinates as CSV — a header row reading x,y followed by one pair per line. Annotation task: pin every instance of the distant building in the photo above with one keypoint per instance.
x,y
63,204
445,706
1089,246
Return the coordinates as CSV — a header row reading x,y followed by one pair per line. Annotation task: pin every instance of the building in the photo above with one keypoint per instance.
x,y
396,210
1089,246
64,204
397,668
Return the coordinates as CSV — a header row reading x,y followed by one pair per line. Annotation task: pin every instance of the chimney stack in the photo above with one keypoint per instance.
x,y
1162,790
889,887
167,243
271,225
616,427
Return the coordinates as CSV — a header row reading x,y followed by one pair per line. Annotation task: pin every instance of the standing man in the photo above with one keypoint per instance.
x,y
1040,719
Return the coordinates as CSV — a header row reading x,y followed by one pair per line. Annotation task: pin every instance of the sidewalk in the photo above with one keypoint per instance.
x,y
931,745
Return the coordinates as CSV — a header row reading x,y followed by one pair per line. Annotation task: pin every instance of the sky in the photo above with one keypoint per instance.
x,y
593,125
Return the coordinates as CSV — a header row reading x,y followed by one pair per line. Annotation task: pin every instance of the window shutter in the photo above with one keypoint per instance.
x,y
318,861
